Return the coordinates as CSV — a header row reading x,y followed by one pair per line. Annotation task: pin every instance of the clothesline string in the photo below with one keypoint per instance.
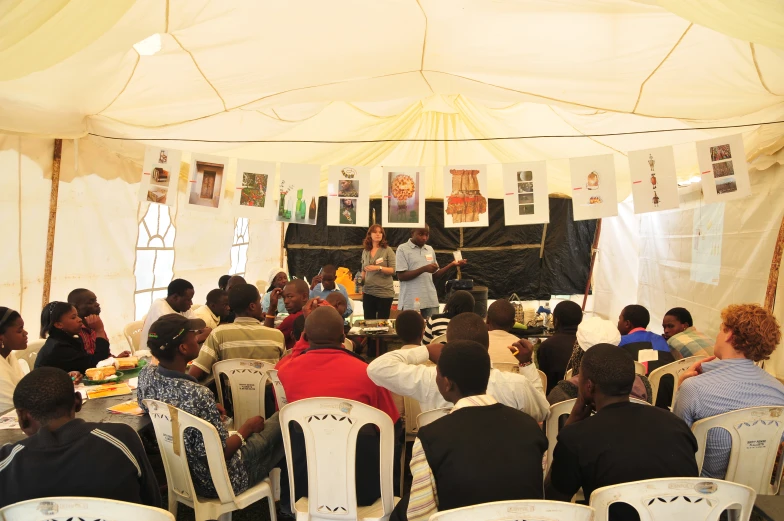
x,y
433,140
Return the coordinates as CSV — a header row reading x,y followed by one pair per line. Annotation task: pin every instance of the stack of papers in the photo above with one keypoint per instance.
x,y
130,407
107,390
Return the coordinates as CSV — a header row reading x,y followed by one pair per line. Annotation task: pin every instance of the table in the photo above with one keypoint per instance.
x,y
768,508
93,411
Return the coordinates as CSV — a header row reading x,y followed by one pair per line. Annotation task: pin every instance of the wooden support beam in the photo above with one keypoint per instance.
x,y
594,249
282,237
55,190
775,265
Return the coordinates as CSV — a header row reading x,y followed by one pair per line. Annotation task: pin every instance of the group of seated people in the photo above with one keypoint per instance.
x,y
606,440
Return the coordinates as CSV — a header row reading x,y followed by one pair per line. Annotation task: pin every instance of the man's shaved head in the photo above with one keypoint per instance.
x,y
468,326
299,286
324,326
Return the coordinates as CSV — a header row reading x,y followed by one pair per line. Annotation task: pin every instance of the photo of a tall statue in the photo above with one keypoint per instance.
x,y
465,203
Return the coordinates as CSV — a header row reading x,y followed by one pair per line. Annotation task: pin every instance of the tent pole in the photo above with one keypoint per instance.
x,y
282,235
58,150
594,249
775,264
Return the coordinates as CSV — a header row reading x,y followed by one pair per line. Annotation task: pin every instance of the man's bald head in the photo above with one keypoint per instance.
x,y
324,326
337,301
299,286
235,280
468,326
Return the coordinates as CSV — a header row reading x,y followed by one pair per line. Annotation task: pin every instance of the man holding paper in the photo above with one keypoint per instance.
x,y
416,266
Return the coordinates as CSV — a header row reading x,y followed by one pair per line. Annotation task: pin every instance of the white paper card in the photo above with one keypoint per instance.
x,y
593,187
348,196
298,193
207,181
654,180
403,203
9,421
458,256
647,355
254,189
525,193
160,175
723,169
465,201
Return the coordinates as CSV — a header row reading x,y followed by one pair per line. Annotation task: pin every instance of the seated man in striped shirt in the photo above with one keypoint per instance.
x,y
730,380
246,337
66,456
508,461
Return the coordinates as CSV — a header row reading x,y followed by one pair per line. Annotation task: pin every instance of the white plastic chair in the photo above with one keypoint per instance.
x,y
506,367
280,393
676,499
552,425
568,374
411,411
30,353
248,382
639,369
262,286
675,369
531,510
133,332
71,508
430,416
543,378
330,427
440,339
756,435
178,476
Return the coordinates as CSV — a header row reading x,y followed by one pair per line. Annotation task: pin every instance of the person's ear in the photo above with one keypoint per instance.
x,y
304,337
77,402
26,422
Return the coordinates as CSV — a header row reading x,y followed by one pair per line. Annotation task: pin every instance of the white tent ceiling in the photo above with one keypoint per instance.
x,y
394,69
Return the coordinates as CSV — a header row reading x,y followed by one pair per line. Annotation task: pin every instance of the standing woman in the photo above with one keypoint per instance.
x,y
13,337
378,264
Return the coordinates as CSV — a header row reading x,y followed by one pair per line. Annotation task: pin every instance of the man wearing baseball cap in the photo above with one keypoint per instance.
x,y
250,453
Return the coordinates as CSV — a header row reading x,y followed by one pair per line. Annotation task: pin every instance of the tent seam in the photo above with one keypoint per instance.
x,y
642,85
759,72
585,135
19,209
133,72
196,64
424,48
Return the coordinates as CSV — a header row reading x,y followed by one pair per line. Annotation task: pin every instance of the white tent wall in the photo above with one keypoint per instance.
x,y
647,259
96,233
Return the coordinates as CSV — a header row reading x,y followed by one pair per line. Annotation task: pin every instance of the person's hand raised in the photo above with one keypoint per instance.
x,y
434,351
431,268
580,411
275,295
310,305
316,281
524,350
94,322
694,370
461,262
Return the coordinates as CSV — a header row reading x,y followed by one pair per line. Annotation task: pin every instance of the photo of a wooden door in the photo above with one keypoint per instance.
x,y
208,184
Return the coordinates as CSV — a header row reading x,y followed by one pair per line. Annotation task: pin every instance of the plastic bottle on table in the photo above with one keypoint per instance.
x,y
417,305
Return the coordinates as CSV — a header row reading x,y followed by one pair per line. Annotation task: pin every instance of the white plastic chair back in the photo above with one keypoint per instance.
x,y
440,339
133,332
568,374
31,352
280,393
330,427
413,410
247,381
552,425
543,378
506,367
430,416
639,368
756,435
675,369
72,508
670,499
262,286
532,510
170,423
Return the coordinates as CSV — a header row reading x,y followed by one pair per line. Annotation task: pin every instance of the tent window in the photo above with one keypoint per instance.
x,y
239,247
154,257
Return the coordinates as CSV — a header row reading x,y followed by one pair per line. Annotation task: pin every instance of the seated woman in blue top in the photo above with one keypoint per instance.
x,y
64,347
278,278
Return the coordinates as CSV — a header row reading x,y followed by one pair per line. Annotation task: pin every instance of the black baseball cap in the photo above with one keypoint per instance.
x,y
169,330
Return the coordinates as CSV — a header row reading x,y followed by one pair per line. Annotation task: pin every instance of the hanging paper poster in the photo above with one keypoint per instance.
x,y
593,187
206,181
725,175
402,203
465,204
348,196
254,196
298,193
654,181
708,232
160,175
525,193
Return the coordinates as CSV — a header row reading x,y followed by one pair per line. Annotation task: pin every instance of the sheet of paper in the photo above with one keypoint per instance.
x,y
458,255
525,193
160,175
593,187
9,421
348,196
403,200
647,355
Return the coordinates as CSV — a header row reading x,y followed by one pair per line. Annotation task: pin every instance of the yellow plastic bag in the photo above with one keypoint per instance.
x,y
344,277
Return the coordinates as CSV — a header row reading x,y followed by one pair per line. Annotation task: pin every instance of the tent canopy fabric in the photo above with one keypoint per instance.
x,y
391,70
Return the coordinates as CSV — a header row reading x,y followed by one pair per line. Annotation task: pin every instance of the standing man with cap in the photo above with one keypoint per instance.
x,y
416,266
250,454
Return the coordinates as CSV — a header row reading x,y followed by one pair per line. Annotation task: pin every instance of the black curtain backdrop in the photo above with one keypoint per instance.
x,y
504,269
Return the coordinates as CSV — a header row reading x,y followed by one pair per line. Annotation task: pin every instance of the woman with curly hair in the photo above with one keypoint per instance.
x,y
730,380
378,266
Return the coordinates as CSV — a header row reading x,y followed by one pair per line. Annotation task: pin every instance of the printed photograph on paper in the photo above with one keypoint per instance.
x,y
720,152
254,190
723,169
348,211
348,188
403,202
207,189
526,209
726,185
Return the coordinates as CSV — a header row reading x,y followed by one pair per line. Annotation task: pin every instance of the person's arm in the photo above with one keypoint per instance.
x,y
401,372
234,442
423,498
208,355
449,266
520,391
404,276
95,323
686,402
272,311
523,351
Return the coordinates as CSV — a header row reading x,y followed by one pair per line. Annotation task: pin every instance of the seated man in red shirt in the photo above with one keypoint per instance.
x,y
327,369
295,294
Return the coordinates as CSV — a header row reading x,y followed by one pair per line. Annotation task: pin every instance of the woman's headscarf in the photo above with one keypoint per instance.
x,y
592,331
